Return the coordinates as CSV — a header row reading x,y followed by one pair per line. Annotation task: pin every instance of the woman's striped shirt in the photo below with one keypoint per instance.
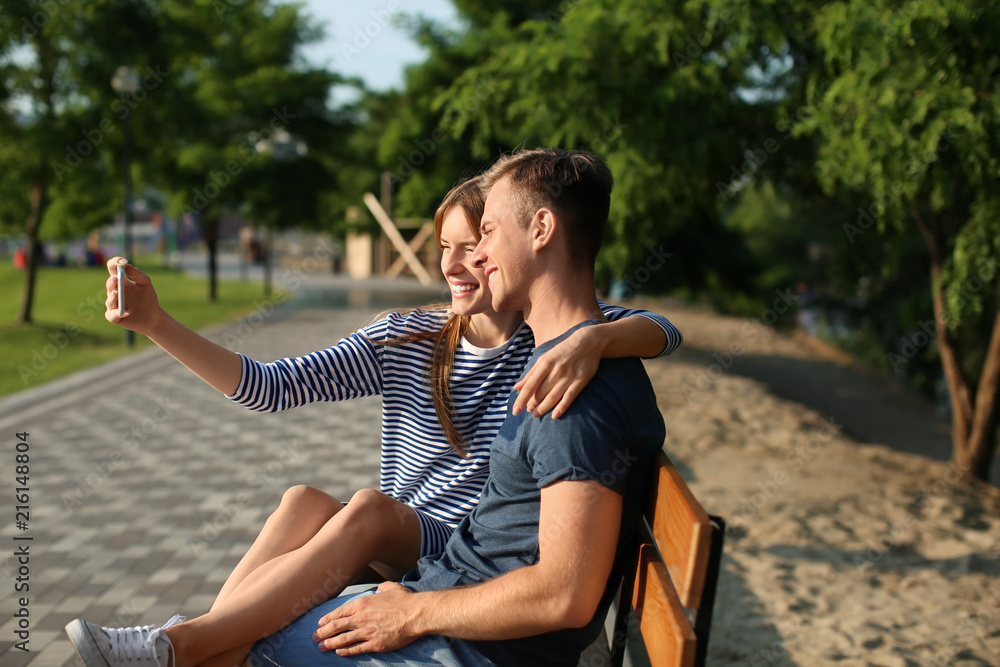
x,y
418,465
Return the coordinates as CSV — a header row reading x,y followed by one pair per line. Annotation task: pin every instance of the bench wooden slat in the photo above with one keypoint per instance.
x,y
681,528
666,632
672,578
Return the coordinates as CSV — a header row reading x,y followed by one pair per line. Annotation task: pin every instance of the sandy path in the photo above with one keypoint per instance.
x,y
851,540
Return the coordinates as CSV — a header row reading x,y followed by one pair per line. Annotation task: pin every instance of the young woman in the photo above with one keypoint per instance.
x,y
444,375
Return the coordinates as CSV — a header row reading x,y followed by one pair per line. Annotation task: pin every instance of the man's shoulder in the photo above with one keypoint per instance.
x,y
620,395
615,418
624,378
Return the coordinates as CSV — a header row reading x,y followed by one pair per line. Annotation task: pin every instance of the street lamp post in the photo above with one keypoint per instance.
x,y
126,82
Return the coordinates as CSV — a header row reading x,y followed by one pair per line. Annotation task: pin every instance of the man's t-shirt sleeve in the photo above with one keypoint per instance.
x,y
589,442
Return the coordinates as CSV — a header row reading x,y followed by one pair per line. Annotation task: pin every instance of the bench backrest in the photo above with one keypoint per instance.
x,y
676,564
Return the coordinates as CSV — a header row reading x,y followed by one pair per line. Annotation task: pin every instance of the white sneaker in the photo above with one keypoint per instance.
x,y
110,647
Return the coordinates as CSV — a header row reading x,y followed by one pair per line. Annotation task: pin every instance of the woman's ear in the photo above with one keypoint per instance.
x,y
543,228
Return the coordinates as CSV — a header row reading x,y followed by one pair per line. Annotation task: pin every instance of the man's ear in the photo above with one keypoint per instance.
x,y
543,228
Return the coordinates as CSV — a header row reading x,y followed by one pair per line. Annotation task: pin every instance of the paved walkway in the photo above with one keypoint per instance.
x,y
147,486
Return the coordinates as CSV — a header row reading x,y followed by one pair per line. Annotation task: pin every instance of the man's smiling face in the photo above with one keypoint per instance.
x,y
503,250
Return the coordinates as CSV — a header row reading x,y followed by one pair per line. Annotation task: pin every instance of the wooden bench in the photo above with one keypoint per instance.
x,y
668,590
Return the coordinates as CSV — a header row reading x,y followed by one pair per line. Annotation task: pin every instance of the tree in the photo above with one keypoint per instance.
x,y
281,189
694,103
409,135
910,122
236,87
712,113
55,112
217,79
636,87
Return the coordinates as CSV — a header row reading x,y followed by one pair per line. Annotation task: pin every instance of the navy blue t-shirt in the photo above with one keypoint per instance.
x,y
610,434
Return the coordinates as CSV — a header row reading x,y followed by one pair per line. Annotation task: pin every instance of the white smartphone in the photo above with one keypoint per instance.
x,y
121,291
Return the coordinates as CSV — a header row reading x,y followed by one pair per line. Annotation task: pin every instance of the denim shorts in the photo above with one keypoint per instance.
x,y
294,646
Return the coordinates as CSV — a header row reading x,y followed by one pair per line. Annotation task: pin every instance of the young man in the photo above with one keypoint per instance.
x,y
528,576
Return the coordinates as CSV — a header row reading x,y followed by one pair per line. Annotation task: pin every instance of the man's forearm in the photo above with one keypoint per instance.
x,y
520,603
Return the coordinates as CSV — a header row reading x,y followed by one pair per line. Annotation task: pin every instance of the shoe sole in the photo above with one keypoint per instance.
x,y
84,644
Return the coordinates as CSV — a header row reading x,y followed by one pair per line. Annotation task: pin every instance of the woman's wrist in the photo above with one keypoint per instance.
x,y
596,339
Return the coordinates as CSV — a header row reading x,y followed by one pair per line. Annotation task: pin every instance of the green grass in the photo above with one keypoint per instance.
x,y
69,332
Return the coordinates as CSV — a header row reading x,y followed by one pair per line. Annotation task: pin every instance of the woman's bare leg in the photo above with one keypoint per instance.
x,y
303,511
373,527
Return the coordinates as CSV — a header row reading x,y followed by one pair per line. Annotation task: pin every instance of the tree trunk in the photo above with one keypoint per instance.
x,y
268,249
961,394
210,232
48,62
38,204
213,269
975,454
973,411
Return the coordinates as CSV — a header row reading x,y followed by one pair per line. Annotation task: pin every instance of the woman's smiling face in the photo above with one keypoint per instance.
x,y
469,293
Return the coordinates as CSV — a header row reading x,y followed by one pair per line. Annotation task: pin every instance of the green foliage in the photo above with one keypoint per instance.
x,y
423,145
909,125
226,116
618,80
791,239
219,81
763,145
56,97
248,124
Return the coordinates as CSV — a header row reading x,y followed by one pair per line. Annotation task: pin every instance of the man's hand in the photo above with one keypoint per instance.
x,y
370,624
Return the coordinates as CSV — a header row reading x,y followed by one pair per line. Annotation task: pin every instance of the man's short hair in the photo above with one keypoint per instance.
x,y
575,185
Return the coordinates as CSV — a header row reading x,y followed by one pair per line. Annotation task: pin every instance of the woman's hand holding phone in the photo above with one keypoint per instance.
x,y
140,310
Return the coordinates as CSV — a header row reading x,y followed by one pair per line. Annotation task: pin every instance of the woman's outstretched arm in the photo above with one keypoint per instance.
x,y
218,367
349,369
